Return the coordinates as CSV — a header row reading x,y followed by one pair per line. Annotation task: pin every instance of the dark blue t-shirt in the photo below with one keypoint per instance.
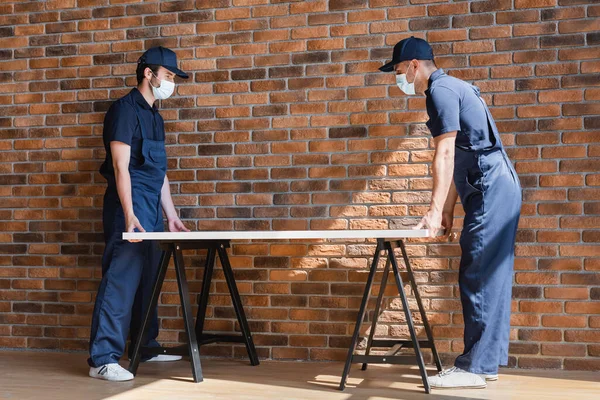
x,y
454,105
121,124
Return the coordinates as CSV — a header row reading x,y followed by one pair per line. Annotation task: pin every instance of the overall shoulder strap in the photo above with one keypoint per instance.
x,y
137,114
493,130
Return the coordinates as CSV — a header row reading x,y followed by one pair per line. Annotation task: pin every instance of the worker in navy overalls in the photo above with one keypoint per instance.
x,y
137,193
471,163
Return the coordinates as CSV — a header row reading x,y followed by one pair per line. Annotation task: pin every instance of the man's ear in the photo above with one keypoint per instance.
x,y
148,73
415,64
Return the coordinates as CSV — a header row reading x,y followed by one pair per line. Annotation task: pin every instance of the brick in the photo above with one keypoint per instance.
x,y
562,96
579,81
534,3
563,13
308,7
542,335
578,26
447,35
562,41
407,12
335,5
577,364
370,41
490,5
448,9
537,84
593,38
581,109
581,336
326,19
562,350
585,251
308,33
428,23
590,67
534,56
579,279
472,20
538,111
535,29
487,33
517,98
578,54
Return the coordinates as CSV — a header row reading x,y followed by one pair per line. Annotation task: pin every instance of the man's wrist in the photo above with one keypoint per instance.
x,y
435,209
172,217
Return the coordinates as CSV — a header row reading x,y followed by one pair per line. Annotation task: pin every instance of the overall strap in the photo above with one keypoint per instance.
x,y
493,130
143,130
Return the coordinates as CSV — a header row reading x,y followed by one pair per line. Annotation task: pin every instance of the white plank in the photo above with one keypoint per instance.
x,y
280,235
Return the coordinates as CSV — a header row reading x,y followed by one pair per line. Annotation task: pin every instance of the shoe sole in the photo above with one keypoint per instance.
x,y
157,361
458,387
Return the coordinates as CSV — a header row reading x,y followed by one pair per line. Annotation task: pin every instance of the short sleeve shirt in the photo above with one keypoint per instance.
x,y
454,105
121,124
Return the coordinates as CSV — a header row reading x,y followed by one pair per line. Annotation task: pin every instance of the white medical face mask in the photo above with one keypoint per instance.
x,y
164,91
402,83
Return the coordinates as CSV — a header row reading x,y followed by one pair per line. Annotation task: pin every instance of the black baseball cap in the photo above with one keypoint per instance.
x,y
411,48
164,57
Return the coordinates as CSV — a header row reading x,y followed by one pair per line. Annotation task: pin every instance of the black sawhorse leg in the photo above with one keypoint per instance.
x,y
246,335
396,345
196,337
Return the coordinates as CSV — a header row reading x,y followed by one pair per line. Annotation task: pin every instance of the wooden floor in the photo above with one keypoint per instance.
x,y
47,376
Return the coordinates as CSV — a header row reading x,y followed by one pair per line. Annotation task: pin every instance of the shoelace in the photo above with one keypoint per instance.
x,y
448,371
109,368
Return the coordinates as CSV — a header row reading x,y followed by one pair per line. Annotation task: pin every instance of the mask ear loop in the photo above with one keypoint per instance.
x,y
415,77
150,81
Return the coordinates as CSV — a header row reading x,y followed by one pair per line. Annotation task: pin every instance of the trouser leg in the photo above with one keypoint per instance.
x,y
123,264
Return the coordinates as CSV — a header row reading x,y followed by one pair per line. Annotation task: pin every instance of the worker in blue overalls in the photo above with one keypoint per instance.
x,y
137,193
469,162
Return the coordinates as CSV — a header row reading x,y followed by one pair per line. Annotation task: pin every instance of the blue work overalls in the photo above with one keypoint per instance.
x,y
129,269
490,193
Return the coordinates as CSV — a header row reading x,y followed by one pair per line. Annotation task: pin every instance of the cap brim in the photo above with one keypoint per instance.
x,y
389,67
177,72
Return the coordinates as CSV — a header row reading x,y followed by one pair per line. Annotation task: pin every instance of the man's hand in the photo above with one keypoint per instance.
x,y
447,222
443,165
432,221
131,222
175,225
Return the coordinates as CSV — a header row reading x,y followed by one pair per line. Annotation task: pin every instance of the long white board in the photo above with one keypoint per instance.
x,y
279,235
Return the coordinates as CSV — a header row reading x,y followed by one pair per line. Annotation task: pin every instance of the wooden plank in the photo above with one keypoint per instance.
x,y
391,234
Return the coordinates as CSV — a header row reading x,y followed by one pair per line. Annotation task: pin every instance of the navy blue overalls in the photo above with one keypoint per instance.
x,y
129,269
490,193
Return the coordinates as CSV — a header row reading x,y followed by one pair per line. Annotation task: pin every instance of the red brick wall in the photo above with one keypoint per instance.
x,y
286,124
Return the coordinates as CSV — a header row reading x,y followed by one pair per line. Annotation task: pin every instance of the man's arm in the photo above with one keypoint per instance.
x,y
443,171
175,224
121,153
448,213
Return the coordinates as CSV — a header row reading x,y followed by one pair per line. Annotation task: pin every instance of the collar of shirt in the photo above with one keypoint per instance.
x,y
139,98
436,74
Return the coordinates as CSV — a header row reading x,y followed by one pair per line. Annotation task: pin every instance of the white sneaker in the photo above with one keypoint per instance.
x,y
456,378
111,372
164,358
489,377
